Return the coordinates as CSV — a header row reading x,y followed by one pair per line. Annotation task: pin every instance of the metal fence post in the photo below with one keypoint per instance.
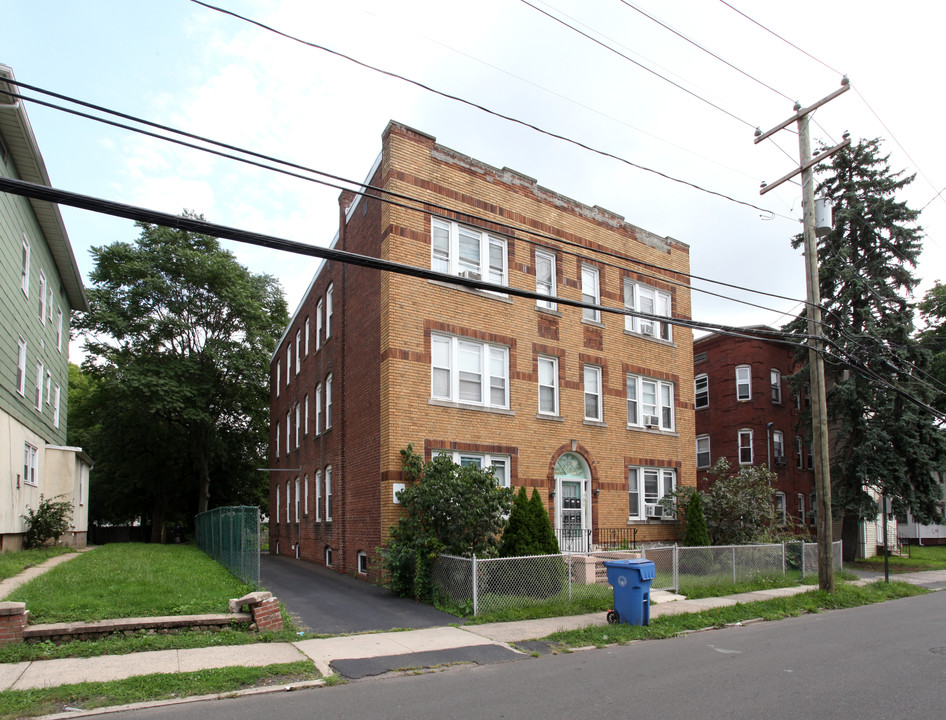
x,y
783,558
475,583
733,564
569,576
676,568
802,559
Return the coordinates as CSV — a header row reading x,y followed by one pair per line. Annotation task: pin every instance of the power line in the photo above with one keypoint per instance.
x,y
638,64
139,214
707,51
363,189
494,113
772,32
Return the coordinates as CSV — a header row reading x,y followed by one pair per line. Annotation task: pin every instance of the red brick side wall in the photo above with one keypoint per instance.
x,y
266,615
13,620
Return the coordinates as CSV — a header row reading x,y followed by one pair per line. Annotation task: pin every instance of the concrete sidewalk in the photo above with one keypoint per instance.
x,y
412,648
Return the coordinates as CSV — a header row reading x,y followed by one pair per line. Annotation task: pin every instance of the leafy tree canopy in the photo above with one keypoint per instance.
x,y
179,336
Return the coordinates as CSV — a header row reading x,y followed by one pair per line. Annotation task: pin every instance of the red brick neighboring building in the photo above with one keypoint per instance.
x,y
746,412
596,411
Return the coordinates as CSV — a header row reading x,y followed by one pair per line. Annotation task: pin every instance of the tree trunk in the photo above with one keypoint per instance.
x,y
203,483
157,524
849,537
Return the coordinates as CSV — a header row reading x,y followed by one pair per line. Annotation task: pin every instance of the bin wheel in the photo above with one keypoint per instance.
x,y
613,618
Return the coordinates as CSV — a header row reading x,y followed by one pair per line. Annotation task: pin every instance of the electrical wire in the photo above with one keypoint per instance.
x,y
365,189
705,50
494,113
638,64
139,214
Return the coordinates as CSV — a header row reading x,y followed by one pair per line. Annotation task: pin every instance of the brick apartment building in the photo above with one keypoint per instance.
x,y
746,412
594,410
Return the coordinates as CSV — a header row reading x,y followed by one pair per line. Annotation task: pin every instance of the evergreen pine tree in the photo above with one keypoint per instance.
x,y
514,542
866,263
695,534
544,536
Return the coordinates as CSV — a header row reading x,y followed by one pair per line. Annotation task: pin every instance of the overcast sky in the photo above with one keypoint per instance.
x,y
178,63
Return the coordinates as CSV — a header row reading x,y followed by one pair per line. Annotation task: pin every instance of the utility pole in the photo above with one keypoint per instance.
x,y
819,411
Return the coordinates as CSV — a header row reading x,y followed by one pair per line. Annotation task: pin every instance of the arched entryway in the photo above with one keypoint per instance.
x,y
572,505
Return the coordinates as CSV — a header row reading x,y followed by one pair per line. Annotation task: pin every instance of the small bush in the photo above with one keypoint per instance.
x,y
48,523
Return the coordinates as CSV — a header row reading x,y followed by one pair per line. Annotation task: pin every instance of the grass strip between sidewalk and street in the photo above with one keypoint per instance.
x,y
90,695
845,596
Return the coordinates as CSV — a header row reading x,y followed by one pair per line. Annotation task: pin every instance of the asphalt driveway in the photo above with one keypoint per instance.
x,y
324,601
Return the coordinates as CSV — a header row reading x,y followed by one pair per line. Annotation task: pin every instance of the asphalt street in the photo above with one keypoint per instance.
x,y
884,660
324,601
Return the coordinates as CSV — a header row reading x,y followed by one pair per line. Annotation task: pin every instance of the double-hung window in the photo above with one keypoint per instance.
x,y
548,385
59,329
328,402
278,435
701,391
545,278
307,334
780,507
30,464
801,508
328,312
778,447
40,373
464,251
278,376
646,486
745,447
743,382
318,324
298,498
592,382
21,367
318,494
648,301
649,403
469,372
590,293
288,364
499,463
25,267
775,378
328,493
703,459
799,454
318,409
42,297
298,423
277,503
288,431
305,415
56,398
298,351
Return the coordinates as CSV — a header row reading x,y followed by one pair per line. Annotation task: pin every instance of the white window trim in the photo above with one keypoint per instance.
x,y
590,292
308,334
305,491
748,432
318,324
288,501
328,311
362,562
780,506
59,329
298,499
40,374
21,368
328,401
56,399
550,288
696,390
553,361
305,414
595,391
746,381
288,431
25,267
634,294
486,460
453,345
30,464
637,476
778,443
663,405
449,262
42,296
298,350
318,495
801,508
328,493
298,423
278,436
775,380
799,453
278,376
288,364
709,458
278,502
318,409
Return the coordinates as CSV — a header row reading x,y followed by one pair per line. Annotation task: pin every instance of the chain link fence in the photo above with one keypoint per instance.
x,y
230,535
484,585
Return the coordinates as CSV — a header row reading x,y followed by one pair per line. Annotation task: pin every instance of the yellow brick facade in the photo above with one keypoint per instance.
x,y
411,309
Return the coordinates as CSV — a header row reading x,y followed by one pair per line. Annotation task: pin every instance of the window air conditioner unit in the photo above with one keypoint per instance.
x,y
470,275
652,421
654,511
779,459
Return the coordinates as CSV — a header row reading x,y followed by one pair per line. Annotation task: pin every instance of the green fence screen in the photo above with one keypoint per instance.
x,y
230,535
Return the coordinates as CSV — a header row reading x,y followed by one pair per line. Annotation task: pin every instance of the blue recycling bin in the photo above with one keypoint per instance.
x,y
631,580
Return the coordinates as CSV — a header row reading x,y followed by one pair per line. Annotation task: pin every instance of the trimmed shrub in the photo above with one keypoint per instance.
x,y
48,523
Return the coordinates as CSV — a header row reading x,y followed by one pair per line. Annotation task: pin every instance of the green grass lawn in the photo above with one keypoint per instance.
x,y
915,558
130,580
671,625
87,696
13,563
